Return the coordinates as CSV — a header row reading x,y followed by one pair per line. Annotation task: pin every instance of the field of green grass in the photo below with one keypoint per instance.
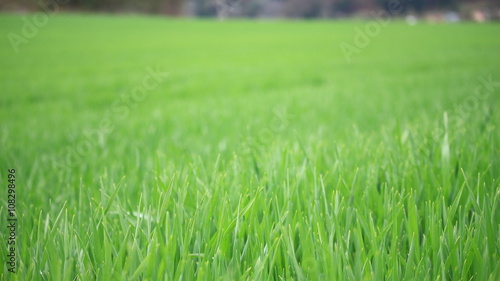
x,y
262,155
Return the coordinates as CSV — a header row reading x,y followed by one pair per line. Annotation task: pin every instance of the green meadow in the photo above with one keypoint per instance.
x,y
149,148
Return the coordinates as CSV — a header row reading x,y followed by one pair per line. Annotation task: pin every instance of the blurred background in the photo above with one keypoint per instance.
x,y
426,10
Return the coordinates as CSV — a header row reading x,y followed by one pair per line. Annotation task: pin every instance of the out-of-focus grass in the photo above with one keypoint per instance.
x,y
206,180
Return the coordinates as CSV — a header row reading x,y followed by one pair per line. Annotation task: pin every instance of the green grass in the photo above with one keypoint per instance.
x,y
373,174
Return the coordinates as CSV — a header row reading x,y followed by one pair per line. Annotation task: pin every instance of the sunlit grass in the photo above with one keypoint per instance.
x,y
264,155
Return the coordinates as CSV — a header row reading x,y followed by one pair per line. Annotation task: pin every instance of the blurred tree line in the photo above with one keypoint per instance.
x,y
243,8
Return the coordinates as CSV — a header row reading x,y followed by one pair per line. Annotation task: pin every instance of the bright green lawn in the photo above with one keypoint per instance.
x,y
264,155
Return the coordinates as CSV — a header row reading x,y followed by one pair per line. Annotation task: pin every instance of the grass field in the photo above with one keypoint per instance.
x,y
263,155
